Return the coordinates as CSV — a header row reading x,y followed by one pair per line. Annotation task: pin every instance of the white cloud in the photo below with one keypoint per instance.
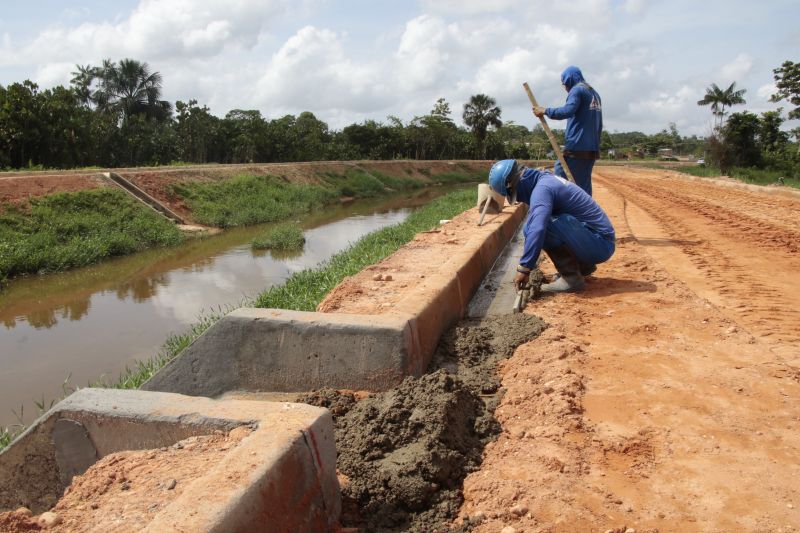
x,y
663,107
311,71
155,29
469,7
765,91
286,57
634,7
421,56
737,69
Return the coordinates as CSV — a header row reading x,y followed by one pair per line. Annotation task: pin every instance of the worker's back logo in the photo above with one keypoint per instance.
x,y
595,104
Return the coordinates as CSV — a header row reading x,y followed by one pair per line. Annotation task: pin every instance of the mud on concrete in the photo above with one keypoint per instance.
x,y
404,453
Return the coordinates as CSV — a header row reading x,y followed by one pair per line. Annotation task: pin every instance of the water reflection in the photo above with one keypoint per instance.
x,y
94,321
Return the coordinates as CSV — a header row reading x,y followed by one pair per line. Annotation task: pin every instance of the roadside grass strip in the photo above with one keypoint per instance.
x,y
753,176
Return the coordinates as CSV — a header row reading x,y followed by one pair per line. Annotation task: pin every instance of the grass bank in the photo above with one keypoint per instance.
x,y
68,230
302,291
247,200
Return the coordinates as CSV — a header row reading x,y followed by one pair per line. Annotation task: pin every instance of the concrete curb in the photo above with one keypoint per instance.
x,y
286,466
284,351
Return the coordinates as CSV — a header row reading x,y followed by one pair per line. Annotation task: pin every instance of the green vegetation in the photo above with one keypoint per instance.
x,y
755,176
480,113
6,436
286,237
357,183
753,148
247,200
718,99
304,290
68,230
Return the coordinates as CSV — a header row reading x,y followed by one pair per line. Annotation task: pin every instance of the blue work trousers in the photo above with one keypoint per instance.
x,y
589,247
581,170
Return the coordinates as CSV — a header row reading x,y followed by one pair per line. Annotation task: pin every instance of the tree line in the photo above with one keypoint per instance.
x,y
747,140
112,115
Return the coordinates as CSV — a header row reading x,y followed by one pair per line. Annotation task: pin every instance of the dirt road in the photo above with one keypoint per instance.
x,y
666,395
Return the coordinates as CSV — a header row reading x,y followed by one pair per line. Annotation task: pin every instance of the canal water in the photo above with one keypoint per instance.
x,y
86,324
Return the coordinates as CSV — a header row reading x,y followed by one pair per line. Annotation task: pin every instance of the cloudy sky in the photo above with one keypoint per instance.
x,y
347,61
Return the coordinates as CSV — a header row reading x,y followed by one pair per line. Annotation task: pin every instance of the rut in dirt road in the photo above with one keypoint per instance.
x,y
744,247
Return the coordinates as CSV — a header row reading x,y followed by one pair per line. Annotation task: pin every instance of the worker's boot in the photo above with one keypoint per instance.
x,y
587,269
570,279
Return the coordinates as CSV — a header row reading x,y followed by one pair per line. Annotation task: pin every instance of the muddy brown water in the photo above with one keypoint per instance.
x,y
90,323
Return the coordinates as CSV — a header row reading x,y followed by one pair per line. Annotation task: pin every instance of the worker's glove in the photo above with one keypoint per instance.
x,y
538,111
522,277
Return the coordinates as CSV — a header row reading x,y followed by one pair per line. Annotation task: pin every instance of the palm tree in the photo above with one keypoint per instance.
x,y
719,99
479,113
130,89
81,81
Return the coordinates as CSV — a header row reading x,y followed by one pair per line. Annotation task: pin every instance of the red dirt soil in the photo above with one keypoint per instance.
x,y
667,394
124,491
18,187
378,288
664,396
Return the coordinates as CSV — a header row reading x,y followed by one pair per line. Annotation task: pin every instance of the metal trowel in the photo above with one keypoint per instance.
x,y
523,296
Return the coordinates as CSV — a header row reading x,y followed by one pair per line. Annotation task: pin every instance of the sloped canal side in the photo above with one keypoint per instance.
x,y
90,323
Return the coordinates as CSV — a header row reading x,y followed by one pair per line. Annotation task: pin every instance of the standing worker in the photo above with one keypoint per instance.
x,y
584,114
563,220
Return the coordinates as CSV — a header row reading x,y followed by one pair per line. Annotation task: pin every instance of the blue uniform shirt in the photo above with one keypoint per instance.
x,y
583,110
549,196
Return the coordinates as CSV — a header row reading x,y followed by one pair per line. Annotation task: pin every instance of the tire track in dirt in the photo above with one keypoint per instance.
x,y
742,263
643,405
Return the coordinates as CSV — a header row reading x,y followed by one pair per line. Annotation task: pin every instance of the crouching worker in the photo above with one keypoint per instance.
x,y
563,220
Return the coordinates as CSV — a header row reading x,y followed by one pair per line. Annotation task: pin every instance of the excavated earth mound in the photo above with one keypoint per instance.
x,y
123,491
404,453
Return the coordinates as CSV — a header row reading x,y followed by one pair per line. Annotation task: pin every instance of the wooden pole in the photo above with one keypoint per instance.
x,y
553,142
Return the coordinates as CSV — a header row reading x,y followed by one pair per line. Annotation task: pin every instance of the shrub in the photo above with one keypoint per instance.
x,y
283,237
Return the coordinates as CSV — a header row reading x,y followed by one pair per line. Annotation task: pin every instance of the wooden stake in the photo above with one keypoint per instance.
x,y
553,142
485,209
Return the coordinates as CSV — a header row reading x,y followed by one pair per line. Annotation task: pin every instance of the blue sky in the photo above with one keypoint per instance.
x,y
347,61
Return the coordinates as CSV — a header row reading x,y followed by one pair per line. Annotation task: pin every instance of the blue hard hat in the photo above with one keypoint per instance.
x,y
501,174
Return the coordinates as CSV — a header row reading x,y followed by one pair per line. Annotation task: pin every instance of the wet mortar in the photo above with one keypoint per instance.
x,y
404,453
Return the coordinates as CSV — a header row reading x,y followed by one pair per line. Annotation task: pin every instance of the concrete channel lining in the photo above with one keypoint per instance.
x,y
291,351
287,464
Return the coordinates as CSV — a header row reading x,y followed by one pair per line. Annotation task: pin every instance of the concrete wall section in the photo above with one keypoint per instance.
x,y
280,350
286,466
284,351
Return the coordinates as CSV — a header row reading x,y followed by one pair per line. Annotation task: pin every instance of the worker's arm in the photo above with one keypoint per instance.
x,y
568,109
541,208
